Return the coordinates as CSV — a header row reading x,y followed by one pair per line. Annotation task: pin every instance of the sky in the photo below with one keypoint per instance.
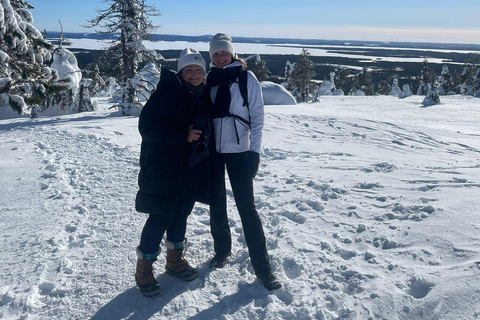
x,y
428,21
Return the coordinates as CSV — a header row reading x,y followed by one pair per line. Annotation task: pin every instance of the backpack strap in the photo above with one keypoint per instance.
x,y
242,84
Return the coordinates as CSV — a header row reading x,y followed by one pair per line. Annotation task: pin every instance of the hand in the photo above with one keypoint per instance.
x,y
193,134
254,161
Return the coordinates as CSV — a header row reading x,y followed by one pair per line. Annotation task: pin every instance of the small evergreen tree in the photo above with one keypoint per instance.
x,y
384,87
301,77
456,81
355,87
327,87
365,82
445,81
426,76
341,78
468,76
258,67
288,70
131,19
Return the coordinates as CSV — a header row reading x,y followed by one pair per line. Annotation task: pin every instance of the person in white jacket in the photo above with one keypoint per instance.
x,y
238,136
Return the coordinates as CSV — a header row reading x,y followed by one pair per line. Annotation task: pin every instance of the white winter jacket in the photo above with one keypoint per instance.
x,y
250,139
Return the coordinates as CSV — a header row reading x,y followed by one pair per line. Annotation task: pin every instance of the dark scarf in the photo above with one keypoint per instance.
x,y
222,78
196,90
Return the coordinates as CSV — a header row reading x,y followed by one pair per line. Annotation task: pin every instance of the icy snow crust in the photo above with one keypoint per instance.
x,y
370,207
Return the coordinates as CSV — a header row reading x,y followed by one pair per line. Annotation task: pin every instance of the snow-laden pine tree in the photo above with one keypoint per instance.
x,y
406,92
327,87
475,89
469,77
365,82
131,19
432,97
362,83
301,77
395,89
288,70
426,76
445,81
258,67
25,78
341,78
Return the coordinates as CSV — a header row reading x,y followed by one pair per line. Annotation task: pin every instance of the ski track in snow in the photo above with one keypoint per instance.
x,y
341,199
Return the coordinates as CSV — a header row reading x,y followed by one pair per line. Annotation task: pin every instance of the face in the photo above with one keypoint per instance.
x,y
222,58
193,74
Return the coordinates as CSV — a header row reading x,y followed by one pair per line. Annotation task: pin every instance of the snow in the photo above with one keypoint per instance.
x,y
275,94
65,62
369,205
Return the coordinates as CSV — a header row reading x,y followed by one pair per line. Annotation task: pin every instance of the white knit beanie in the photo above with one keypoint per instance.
x,y
221,41
190,56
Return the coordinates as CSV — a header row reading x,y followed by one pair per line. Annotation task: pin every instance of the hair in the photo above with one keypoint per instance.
x,y
244,64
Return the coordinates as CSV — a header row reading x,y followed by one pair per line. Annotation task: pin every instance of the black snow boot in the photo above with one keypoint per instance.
x,y
218,261
270,282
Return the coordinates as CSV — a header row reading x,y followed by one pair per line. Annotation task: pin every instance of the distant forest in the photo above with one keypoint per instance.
x,y
406,72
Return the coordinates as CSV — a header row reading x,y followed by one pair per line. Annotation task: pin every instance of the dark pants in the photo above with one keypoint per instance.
x,y
174,224
241,180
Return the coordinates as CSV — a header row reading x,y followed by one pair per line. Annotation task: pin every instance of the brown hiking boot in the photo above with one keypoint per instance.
x,y
177,265
144,276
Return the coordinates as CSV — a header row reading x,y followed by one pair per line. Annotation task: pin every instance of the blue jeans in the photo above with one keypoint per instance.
x,y
156,226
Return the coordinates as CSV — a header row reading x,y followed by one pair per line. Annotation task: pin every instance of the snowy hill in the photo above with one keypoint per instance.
x,y
370,207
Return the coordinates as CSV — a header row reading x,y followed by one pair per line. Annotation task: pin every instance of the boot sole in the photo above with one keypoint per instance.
x,y
149,290
179,275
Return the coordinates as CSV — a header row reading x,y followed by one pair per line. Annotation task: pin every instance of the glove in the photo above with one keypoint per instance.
x,y
254,160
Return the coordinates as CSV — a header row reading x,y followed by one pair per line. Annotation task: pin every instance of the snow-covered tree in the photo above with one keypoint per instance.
x,y
355,88
92,72
288,70
151,76
395,89
383,87
445,81
25,78
341,77
327,87
426,76
469,77
406,91
432,97
131,19
301,77
83,101
362,84
258,67
69,75
474,90
365,82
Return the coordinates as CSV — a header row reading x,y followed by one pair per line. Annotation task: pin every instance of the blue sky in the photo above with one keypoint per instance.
x,y
387,20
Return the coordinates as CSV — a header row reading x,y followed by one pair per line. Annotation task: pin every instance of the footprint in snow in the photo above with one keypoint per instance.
x,y
291,268
419,288
295,217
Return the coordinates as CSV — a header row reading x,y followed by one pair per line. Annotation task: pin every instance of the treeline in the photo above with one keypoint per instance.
x,y
301,79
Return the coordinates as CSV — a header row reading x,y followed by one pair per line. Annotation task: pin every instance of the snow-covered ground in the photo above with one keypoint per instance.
x,y
370,206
